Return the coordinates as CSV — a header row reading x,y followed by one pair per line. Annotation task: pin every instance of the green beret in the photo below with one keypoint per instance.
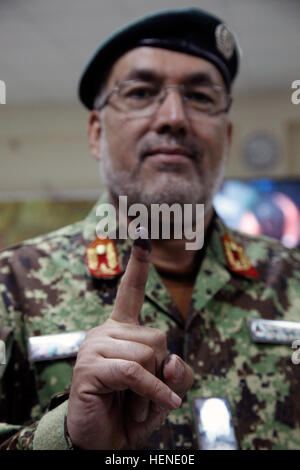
x,y
190,30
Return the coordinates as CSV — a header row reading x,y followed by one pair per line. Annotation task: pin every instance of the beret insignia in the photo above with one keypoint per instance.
x,y
225,42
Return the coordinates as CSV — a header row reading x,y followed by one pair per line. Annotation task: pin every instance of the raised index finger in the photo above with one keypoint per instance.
x,y
131,292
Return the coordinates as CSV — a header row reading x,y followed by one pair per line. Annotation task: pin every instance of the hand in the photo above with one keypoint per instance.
x,y
124,383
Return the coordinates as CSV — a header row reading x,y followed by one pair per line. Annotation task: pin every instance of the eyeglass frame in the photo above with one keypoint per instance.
x,y
161,96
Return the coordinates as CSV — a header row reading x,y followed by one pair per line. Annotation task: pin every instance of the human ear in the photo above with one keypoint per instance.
x,y
94,132
229,132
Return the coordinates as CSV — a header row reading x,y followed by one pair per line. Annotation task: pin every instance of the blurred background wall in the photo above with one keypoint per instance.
x,y
44,47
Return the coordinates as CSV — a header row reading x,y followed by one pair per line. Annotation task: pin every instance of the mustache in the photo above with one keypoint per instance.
x,y
194,150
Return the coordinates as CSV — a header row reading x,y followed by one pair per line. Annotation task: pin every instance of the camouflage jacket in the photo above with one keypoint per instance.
x,y
46,288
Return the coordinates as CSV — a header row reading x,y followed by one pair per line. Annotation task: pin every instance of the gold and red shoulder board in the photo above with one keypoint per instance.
x,y
102,258
237,259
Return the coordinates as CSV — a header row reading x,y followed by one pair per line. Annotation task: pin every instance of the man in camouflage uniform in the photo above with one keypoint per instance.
x,y
189,337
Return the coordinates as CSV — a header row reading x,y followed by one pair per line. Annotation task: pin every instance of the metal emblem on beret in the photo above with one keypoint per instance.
x,y
224,41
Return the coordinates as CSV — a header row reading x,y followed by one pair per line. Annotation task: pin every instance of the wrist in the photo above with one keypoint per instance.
x,y
68,438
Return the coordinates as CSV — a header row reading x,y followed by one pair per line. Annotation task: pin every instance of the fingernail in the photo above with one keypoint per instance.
x,y
167,360
176,400
179,371
142,241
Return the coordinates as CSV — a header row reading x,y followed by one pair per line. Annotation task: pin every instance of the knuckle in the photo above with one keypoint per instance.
x,y
148,355
99,332
96,331
159,338
80,375
130,370
82,365
157,388
87,337
80,388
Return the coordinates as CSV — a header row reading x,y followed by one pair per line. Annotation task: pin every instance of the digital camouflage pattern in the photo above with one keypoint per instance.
x,y
46,288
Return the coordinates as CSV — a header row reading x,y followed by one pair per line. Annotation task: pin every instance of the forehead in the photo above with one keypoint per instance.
x,y
164,63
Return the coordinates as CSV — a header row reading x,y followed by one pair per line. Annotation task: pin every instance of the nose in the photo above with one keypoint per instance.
x,y
170,116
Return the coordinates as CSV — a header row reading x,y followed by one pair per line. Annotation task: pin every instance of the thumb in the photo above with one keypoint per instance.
x,y
177,374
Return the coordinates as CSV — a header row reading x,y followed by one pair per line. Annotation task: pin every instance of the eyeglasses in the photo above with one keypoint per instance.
x,y
143,99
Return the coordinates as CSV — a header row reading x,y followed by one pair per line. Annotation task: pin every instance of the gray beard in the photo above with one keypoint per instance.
x,y
177,190
168,187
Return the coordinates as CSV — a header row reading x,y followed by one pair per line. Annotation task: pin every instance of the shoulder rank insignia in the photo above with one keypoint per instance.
x,y
236,258
102,258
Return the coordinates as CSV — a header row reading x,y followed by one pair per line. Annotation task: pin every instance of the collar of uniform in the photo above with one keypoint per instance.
x,y
155,289
218,230
214,271
213,274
